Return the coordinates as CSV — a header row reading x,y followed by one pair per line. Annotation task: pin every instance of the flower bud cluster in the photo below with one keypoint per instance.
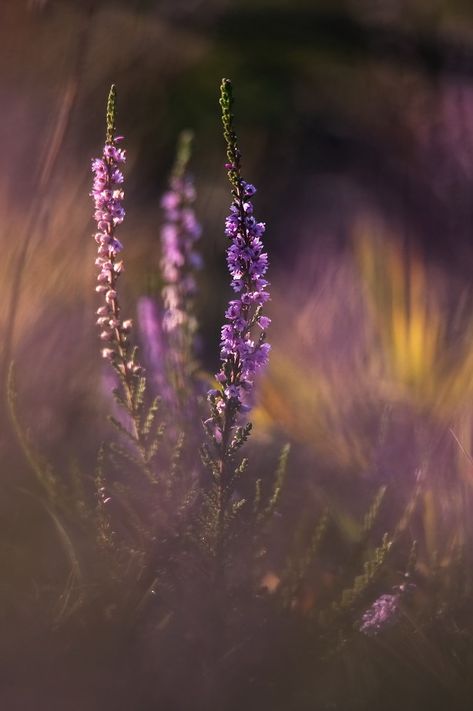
x,y
242,352
107,195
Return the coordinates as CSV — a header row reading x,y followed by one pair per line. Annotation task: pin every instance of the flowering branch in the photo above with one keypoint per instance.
x,y
243,347
242,352
107,194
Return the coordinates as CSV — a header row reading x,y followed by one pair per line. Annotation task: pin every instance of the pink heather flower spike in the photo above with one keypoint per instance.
x,y
243,348
107,195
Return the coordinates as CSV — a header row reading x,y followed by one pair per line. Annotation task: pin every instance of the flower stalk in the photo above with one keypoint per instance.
x,y
243,346
107,193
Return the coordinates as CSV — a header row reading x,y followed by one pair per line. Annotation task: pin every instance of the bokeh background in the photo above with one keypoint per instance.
x,y
355,118
355,122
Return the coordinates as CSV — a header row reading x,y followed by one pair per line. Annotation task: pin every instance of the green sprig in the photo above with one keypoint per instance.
x,y
183,154
233,152
111,113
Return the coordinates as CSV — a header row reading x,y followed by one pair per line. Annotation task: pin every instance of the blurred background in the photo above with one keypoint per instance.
x,y
355,124
355,118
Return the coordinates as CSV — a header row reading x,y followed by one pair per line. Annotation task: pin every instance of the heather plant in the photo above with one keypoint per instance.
x,y
141,432
243,348
154,506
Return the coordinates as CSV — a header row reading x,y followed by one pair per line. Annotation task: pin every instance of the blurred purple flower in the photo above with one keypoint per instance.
x,y
180,259
179,234
153,347
383,613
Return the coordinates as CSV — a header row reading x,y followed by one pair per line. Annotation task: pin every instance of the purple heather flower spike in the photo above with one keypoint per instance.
x,y
243,350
